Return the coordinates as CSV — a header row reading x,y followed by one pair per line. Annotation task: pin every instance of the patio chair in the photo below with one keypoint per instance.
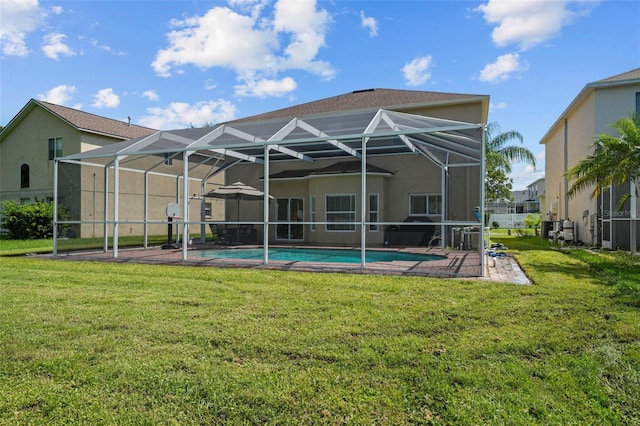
x,y
435,239
219,233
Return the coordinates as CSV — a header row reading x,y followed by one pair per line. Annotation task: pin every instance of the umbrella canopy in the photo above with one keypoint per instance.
x,y
236,191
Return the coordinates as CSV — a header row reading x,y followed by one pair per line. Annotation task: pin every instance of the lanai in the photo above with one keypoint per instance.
x,y
357,135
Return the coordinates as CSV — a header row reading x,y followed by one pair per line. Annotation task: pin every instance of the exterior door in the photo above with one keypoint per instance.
x,y
290,211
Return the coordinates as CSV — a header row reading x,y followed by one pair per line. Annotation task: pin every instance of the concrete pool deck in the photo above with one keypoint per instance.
x,y
454,264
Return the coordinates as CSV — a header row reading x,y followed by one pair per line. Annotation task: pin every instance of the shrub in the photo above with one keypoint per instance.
x,y
533,220
520,228
30,221
495,225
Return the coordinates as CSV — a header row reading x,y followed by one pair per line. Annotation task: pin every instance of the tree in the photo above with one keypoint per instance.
x,y
499,156
615,160
498,185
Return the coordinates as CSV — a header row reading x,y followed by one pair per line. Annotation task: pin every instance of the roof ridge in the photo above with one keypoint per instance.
x,y
627,75
48,105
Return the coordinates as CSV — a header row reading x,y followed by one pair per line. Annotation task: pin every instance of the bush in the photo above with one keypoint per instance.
x,y
521,230
30,221
533,220
495,225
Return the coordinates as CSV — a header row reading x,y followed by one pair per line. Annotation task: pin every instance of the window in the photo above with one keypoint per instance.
x,y
312,204
425,204
341,208
168,159
24,201
24,176
374,210
55,148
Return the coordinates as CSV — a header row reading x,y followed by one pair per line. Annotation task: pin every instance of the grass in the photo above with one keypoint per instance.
x,y
21,247
103,343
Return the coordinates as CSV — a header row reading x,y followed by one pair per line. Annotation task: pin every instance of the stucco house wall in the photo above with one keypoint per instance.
x,y
569,140
81,189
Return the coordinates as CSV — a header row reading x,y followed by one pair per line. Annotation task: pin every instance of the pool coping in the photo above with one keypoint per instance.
x,y
455,263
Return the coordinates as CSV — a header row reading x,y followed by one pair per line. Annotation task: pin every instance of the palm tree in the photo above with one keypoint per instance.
x,y
615,160
499,156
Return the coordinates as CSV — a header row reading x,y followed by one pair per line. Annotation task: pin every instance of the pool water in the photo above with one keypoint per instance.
x,y
317,255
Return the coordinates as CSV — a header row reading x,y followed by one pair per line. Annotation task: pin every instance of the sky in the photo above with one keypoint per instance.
x,y
176,64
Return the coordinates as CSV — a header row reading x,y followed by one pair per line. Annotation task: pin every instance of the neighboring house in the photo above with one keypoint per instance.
x,y
42,131
595,108
506,213
401,188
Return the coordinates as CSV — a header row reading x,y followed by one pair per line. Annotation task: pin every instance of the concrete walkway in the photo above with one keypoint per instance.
x,y
504,269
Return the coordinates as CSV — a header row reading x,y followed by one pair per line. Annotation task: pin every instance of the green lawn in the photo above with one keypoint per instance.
x,y
103,343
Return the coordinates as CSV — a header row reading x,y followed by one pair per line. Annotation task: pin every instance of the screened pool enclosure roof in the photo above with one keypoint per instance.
x,y
351,135
309,138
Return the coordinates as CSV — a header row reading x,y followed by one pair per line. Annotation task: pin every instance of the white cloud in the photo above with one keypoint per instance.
x,y
255,46
18,18
106,98
417,71
53,46
59,95
306,27
528,23
210,84
264,88
502,68
57,10
151,95
497,106
181,115
523,175
369,23
216,39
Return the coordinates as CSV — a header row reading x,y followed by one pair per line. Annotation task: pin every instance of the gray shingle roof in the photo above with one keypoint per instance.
x,y
391,99
629,75
95,123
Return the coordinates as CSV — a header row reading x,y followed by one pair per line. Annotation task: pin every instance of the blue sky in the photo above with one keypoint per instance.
x,y
173,64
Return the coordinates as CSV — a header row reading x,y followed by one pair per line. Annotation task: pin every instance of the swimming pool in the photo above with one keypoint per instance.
x,y
298,254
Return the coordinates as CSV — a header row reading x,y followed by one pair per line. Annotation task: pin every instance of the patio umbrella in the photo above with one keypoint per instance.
x,y
237,191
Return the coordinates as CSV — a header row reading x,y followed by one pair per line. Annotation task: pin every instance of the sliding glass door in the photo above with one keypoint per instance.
x,y
290,210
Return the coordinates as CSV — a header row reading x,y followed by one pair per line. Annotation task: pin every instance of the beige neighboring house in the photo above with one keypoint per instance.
x,y
42,131
596,221
401,188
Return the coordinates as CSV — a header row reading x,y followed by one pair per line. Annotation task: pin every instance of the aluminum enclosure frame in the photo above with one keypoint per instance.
x,y
356,134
